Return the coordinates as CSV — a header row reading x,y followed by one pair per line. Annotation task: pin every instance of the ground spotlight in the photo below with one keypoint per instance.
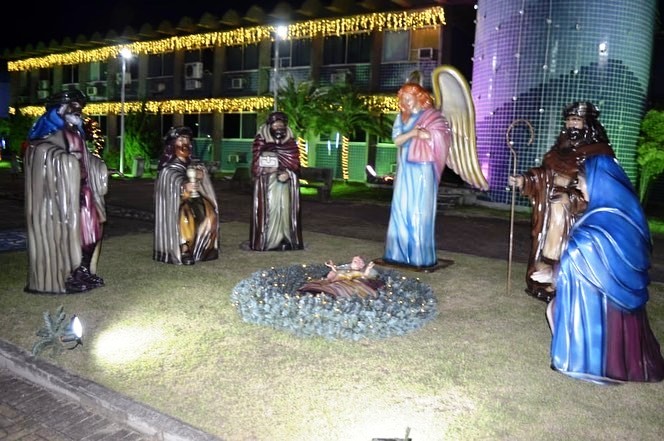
x,y
73,333
58,334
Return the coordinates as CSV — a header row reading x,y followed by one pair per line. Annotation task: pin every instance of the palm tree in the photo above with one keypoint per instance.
x,y
299,102
346,112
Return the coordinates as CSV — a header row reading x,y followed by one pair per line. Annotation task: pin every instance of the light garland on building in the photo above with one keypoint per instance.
x,y
379,103
209,105
382,103
383,21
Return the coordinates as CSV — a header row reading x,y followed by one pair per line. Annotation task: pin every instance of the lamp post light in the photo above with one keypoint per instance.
x,y
280,33
125,54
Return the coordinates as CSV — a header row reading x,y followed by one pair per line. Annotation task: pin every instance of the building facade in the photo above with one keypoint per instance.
x,y
218,76
222,82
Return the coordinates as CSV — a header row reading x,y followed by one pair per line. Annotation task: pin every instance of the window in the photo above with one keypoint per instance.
x,y
423,38
301,52
200,124
191,120
205,56
132,67
359,48
45,79
242,57
293,53
240,125
396,46
70,74
284,53
161,65
345,49
97,71
251,56
166,122
334,50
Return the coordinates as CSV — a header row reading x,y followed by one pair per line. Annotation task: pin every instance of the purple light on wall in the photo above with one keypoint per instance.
x,y
533,57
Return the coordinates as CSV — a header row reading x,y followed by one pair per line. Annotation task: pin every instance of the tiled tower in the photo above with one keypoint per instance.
x,y
532,57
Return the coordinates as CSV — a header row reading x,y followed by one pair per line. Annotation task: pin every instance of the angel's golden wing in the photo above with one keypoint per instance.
x,y
452,95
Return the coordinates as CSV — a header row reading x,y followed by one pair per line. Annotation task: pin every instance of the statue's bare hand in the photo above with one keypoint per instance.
x,y
515,181
545,275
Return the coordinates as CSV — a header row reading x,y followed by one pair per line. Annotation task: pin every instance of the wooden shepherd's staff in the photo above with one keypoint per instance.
x,y
510,144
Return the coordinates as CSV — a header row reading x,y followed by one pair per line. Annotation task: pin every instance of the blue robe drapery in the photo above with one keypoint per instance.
x,y
600,326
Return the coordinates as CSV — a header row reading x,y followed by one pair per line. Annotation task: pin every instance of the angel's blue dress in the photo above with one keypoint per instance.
x,y
411,236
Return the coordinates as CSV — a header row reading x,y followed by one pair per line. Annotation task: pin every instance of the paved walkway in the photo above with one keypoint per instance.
x,y
29,412
39,401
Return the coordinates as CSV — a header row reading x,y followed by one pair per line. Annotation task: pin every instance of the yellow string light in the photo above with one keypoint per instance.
x,y
344,157
302,148
378,103
379,21
208,105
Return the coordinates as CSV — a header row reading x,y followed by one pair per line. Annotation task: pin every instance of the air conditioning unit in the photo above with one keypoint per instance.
x,y
426,53
338,77
237,83
42,94
91,91
192,84
44,84
118,78
193,70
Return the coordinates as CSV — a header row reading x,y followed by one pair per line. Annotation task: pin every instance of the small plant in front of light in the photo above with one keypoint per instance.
x,y
58,333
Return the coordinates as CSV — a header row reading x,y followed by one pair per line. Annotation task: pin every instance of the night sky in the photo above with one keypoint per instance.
x,y
45,21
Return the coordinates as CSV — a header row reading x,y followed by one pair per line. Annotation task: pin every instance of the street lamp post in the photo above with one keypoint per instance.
x,y
125,54
279,34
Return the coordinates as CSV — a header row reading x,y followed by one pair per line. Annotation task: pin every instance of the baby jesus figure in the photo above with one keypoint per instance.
x,y
352,279
356,268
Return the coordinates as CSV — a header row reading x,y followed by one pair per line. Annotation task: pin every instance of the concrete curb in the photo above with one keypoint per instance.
x,y
98,399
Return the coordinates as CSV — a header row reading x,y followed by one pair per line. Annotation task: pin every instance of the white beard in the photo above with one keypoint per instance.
x,y
73,119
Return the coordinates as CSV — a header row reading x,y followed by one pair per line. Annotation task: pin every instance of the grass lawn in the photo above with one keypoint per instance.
x,y
169,336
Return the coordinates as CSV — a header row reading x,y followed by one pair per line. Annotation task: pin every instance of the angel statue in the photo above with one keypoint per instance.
x,y
428,139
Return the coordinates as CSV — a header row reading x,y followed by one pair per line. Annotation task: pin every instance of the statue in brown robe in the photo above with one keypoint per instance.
x,y
551,188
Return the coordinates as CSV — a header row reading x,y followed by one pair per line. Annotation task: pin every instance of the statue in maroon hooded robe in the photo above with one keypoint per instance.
x,y
275,168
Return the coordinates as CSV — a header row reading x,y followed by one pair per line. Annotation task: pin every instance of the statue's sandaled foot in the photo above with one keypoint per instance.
x,y
81,280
